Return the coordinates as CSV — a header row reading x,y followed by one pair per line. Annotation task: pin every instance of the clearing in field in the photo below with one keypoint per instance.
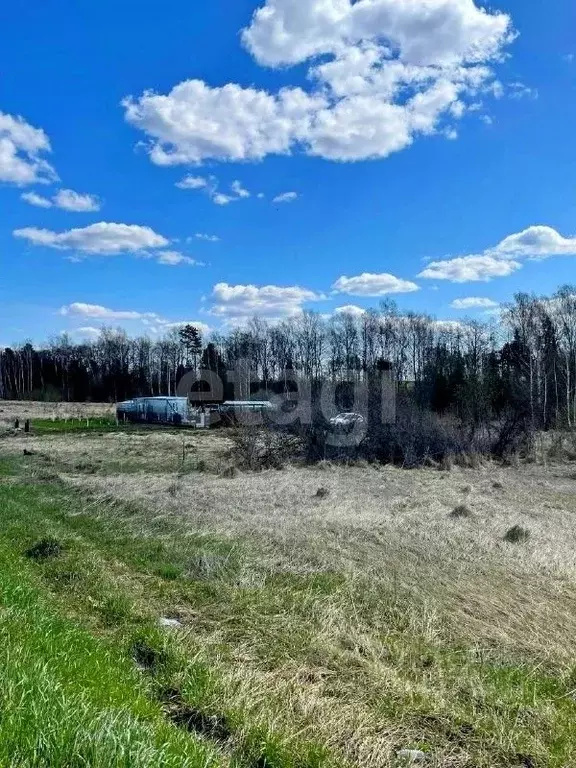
x,y
168,610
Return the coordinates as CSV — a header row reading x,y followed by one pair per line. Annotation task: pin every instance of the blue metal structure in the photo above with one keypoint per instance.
x,y
248,406
178,411
155,410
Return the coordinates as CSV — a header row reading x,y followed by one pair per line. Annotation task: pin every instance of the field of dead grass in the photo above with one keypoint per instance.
x,y
371,607
122,451
10,410
395,527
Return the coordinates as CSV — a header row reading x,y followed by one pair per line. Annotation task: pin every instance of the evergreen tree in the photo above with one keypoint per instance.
x,y
191,340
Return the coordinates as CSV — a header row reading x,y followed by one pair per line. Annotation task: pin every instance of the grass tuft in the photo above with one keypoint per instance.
x,y
147,656
169,572
461,511
230,473
116,609
517,535
45,549
192,719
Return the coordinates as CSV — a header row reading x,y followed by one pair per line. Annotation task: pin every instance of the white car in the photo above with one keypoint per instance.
x,y
347,420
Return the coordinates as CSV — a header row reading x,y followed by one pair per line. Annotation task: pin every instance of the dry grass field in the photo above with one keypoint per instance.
x,y
361,609
397,527
22,410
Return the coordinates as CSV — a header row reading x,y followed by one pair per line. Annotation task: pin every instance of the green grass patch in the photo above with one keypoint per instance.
x,y
65,426
98,424
67,698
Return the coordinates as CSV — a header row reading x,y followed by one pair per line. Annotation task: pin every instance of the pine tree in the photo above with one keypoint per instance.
x,y
191,340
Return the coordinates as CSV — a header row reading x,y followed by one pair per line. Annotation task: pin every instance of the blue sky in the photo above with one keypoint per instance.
x,y
378,151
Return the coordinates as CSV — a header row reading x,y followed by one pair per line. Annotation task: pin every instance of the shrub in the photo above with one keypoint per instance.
x,y
562,446
517,535
87,467
45,549
417,438
515,437
173,489
230,473
258,448
421,438
446,463
461,511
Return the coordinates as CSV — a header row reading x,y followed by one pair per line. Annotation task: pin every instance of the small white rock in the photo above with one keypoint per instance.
x,y
409,756
171,623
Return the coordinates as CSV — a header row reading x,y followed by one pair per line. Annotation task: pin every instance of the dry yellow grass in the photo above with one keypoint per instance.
x,y
24,409
385,524
395,526
337,665
147,450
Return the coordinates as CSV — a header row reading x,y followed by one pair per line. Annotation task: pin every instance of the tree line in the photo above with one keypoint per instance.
x,y
524,361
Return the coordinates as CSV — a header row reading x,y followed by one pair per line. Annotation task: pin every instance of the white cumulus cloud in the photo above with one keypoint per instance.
x,y
468,269
22,151
425,32
98,312
175,258
87,331
237,302
207,238
195,122
286,197
447,326
534,243
104,238
153,322
350,309
368,284
69,200
38,200
381,73
473,302
239,190
66,199
210,186
193,182
537,242
220,199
